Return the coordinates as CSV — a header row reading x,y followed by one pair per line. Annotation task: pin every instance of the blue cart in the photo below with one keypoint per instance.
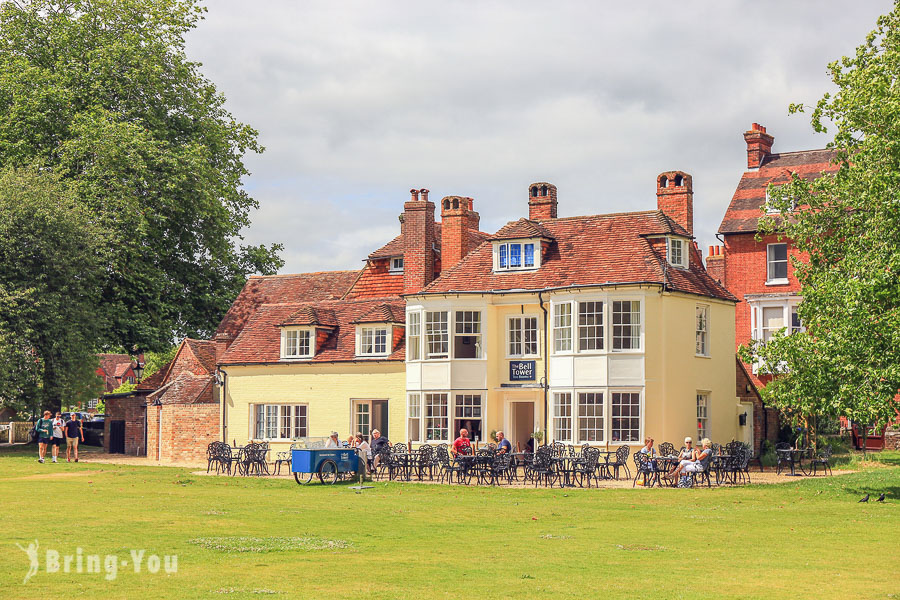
x,y
328,463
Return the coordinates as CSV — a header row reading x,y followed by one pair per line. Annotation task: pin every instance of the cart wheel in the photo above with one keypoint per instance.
x,y
302,478
328,472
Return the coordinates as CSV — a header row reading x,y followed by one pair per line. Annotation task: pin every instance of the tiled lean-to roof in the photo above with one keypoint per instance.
x,y
747,204
260,340
590,250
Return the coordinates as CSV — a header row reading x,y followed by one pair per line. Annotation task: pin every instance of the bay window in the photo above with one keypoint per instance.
x,y
626,416
626,318
414,336
467,337
591,426
414,417
562,327
436,424
562,416
590,325
437,337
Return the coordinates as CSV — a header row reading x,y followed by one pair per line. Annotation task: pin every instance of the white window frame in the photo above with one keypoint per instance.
x,y
639,437
562,411
273,417
467,328
787,304
504,248
365,347
463,400
604,417
701,330
414,413
770,262
521,353
702,417
414,336
615,326
311,342
563,328
429,399
682,260
438,333
396,264
601,339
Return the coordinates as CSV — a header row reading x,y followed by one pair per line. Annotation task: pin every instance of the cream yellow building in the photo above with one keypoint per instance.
x,y
601,329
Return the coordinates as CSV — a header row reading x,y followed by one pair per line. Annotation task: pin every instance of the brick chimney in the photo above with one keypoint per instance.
x,y
417,227
759,145
715,264
675,197
474,217
455,223
541,201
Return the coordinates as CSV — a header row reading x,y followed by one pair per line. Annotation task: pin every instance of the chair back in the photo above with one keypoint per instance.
x,y
443,456
667,449
557,449
782,446
622,454
399,448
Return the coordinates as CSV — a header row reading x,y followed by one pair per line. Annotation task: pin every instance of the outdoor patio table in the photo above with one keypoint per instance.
x,y
794,456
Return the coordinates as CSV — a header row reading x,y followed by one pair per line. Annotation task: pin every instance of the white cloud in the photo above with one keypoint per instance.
x,y
356,102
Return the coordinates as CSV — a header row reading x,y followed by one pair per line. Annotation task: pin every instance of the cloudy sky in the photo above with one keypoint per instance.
x,y
357,102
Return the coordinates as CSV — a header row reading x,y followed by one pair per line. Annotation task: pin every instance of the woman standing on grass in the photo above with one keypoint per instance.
x,y
57,440
44,428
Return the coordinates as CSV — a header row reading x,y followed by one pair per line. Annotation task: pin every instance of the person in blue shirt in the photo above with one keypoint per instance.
x,y
503,445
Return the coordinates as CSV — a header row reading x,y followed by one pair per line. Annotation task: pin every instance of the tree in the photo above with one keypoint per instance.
x,y
53,257
102,93
847,362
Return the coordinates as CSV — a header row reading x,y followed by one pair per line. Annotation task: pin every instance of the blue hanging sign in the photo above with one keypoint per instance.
x,y
521,370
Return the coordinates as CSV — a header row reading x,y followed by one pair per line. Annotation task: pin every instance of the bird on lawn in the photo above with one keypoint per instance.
x,y
880,498
865,498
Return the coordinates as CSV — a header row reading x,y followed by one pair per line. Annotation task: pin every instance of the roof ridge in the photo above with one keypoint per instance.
x,y
285,275
598,215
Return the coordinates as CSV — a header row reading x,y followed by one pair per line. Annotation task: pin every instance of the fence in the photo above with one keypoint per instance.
x,y
15,432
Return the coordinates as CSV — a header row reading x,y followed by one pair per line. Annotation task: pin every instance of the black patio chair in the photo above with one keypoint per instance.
x,y
482,466
211,456
621,461
542,467
384,462
500,468
643,466
449,468
585,467
784,456
822,459
558,449
667,449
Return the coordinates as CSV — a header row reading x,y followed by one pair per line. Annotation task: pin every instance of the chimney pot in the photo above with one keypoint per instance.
x,y
759,145
415,195
424,194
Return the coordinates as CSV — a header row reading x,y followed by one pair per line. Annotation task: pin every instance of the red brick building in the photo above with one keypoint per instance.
x,y
759,272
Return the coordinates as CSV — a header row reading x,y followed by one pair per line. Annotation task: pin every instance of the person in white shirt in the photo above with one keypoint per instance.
x,y
58,424
363,446
333,441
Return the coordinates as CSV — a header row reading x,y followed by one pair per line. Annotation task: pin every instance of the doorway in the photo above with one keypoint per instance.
x,y
368,415
117,437
522,423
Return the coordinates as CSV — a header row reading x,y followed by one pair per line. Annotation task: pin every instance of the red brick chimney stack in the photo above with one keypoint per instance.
x,y
455,223
715,264
474,217
759,145
675,197
541,201
417,227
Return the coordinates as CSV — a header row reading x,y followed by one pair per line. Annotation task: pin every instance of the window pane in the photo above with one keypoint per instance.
x,y
562,416
590,417
702,331
260,421
626,325
414,412
271,430
772,321
562,327
414,341
300,429
467,340
590,325
702,416
626,417
777,261
437,337
529,255
515,337
796,325
515,255
503,250
381,341
436,417
530,336
676,251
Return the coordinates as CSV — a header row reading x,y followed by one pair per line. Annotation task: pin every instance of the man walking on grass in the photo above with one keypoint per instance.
x,y
44,428
74,431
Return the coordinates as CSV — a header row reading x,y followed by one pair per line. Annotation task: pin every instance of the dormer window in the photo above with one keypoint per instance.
x,y
372,340
677,253
296,343
516,255
396,264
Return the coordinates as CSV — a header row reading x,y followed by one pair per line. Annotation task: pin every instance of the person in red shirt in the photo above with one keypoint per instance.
x,y
462,442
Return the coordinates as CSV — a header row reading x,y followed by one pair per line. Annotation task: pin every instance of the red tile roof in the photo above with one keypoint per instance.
x,y
382,313
589,250
523,228
260,340
155,380
301,287
749,199
395,246
311,315
185,389
205,351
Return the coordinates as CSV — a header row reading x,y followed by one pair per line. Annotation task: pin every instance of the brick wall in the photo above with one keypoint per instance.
x,y
454,230
133,412
675,197
715,265
418,242
542,201
186,431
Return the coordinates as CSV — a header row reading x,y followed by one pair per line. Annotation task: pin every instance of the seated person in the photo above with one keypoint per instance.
x,y
697,464
378,443
360,443
503,445
462,443
648,448
529,446
333,441
688,452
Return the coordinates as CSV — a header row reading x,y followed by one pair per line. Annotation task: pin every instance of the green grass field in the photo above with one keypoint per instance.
x,y
805,539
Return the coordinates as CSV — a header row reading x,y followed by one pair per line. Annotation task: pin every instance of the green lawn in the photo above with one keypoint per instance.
x,y
805,539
